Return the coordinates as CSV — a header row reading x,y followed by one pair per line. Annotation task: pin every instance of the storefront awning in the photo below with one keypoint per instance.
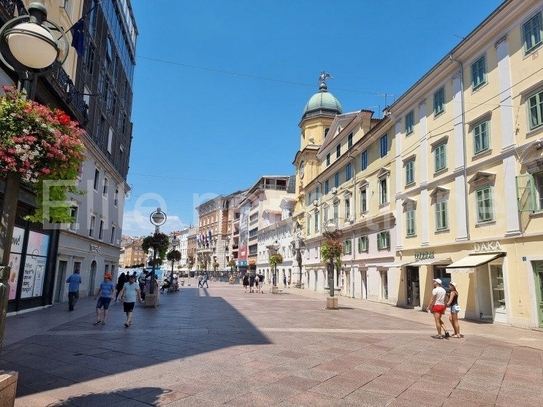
x,y
393,264
429,262
468,264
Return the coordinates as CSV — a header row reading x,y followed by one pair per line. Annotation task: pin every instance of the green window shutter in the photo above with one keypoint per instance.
x,y
526,196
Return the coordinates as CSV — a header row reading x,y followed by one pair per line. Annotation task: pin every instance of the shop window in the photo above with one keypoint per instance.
x,y
363,244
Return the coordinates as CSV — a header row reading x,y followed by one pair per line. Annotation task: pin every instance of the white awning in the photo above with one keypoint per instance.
x,y
393,264
468,264
428,262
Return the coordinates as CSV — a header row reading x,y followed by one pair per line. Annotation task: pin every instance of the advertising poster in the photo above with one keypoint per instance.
x,y
34,268
15,261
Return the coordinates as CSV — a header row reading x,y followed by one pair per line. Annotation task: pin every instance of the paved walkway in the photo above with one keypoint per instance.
x,y
221,346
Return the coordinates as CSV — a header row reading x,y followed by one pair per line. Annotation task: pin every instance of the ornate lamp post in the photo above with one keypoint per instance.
x,y
331,251
29,48
157,218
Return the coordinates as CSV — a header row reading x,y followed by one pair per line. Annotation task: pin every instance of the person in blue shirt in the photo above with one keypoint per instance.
x,y
204,280
129,294
104,295
73,289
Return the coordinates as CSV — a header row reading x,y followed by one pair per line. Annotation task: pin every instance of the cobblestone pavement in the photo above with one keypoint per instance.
x,y
221,346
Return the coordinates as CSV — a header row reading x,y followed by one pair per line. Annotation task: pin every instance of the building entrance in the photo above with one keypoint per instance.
x,y
413,286
538,279
498,293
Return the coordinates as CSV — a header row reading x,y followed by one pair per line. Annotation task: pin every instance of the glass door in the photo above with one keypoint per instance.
x,y
498,293
413,290
538,278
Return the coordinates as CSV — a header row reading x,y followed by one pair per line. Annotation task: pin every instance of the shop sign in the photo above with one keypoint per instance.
x,y
424,255
487,246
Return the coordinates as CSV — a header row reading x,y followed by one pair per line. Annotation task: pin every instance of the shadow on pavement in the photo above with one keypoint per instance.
x,y
72,350
143,396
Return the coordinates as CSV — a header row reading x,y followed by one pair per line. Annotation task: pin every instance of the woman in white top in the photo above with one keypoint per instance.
x,y
437,307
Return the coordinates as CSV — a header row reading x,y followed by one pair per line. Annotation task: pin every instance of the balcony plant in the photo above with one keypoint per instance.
x,y
44,146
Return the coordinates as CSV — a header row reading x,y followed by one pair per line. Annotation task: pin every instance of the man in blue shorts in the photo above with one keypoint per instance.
x,y
104,295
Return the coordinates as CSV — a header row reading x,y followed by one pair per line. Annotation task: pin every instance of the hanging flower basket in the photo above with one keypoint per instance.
x,y
276,258
331,249
44,146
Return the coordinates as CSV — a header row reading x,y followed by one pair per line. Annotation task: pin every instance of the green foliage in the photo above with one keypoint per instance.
x,y
332,249
174,255
275,259
158,241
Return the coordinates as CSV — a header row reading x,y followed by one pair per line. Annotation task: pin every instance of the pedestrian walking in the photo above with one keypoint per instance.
x,y
257,284
261,283
285,281
141,281
104,294
129,293
437,307
251,283
289,281
123,278
455,309
205,280
245,282
73,289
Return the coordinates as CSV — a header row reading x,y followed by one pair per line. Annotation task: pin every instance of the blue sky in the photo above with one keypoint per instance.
x,y
220,86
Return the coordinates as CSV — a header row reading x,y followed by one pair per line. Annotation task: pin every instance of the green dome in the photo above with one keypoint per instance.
x,y
322,102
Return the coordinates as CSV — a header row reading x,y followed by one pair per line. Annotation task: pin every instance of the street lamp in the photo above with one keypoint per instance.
x,y
29,48
174,242
157,218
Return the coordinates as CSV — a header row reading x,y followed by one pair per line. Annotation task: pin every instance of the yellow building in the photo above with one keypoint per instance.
x,y
449,184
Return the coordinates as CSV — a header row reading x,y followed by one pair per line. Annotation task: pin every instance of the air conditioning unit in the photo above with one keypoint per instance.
x,y
334,190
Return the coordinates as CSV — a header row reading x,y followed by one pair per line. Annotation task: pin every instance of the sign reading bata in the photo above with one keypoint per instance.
x,y
487,246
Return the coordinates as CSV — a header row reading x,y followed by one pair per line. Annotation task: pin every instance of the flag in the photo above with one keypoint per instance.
x,y
78,37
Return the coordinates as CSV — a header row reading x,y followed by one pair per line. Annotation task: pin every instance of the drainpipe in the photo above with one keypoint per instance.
x,y
462,106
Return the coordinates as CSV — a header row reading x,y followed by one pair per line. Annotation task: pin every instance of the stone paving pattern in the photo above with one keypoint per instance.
x,y
221,346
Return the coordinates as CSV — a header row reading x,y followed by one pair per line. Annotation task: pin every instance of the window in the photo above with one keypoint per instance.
x,y
383,240
325,216
384,284
109,140
535,109
383,191
92,225
347,208
349,140
104,188
363,200
348,246
485,207
348,171
96,179
327,159
442,217
363,244
530,192
410,222
316,218
326,186
439,101
336,179
308,226
336,210
364,160
73,214
309,198
478,73
409,172
532,31
101,230
440,154
409,122
338,150
116,198
481,138
112,239
384,145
